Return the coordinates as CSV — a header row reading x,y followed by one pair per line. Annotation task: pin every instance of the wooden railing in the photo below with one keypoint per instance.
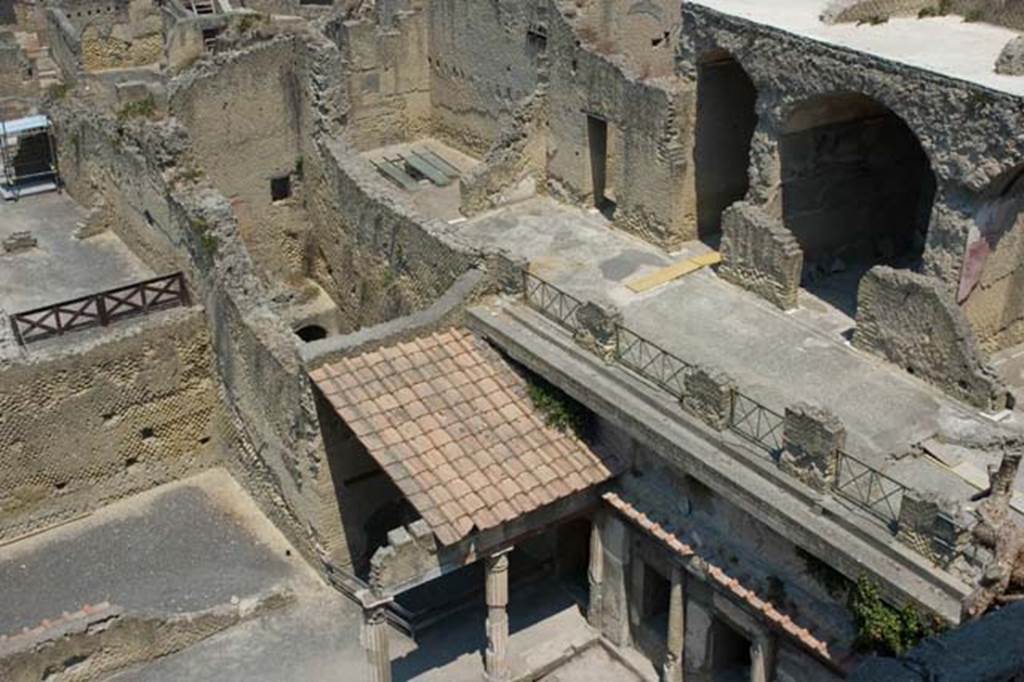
x,y
102,309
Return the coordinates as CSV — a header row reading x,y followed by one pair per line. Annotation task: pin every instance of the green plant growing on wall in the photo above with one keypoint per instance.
x,y
560,410
58,91
208,241
143,108
883,629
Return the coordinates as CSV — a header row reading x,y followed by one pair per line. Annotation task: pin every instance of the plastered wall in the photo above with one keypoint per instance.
x,y
98,417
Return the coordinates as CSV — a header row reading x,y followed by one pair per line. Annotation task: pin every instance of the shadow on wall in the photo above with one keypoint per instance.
x,y
725,126
857,191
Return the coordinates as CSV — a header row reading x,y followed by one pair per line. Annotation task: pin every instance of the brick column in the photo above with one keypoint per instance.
x,y
673,669
496,657
762,655
812,438
374,636
595,574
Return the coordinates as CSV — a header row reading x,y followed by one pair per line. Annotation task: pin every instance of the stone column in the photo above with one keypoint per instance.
x,y
374,636
673,670
496,667
762,655
615,540
595,574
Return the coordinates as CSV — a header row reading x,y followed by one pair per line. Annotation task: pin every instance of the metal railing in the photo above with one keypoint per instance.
x,y
100,309
869,489
855,481
651,361
551,301
757,423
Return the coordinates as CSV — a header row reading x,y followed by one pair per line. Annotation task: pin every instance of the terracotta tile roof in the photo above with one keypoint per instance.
x,y
453,426
715,573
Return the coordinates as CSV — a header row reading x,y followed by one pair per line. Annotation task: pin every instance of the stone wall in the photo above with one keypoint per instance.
x,y
270,416
243,114
643,31
98,416
386,70
958,125
483,61
648,150
993,275
911,320
375,257
760,255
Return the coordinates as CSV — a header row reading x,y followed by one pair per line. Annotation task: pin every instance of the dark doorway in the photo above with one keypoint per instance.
x,y
573,554
597,139
311,332
655,602
730,653
857,191
726,119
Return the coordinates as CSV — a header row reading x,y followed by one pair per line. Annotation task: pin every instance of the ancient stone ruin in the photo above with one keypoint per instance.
x,y
511,340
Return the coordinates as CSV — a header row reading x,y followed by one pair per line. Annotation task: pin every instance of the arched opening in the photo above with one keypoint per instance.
x,y
857,191
311,332
725,125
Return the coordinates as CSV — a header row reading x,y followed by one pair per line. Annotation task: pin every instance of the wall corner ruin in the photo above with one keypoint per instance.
x,y
760,254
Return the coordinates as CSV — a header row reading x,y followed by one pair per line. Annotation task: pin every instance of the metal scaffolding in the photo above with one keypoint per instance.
x,y
28,161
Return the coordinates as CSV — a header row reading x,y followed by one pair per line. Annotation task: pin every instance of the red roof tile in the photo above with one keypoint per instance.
x,y
446,412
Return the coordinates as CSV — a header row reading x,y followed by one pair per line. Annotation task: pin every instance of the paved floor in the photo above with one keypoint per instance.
x,y
61,267
777,358
180,548
318,639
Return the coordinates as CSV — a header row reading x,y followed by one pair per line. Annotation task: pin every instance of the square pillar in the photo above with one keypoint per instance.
x,y
674,665
762,658
374,635
496,668
595,575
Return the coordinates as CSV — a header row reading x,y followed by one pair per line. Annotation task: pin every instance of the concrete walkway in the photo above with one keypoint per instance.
x,y
62,267
182,548
777,358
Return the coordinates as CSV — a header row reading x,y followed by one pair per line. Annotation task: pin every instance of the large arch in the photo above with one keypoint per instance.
x,y
724,128
857,191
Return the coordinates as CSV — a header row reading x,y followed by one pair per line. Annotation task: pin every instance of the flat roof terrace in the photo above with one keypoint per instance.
x,y
776,358
946,45
61,266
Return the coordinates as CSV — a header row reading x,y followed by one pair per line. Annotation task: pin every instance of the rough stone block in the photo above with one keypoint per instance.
x,y
928,524
596,327
709,396
411,553
812,438
911,320
1011,59
760,254
19,241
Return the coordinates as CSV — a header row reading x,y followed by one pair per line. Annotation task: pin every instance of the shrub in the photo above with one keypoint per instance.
x,y
560,410
883,629
143,108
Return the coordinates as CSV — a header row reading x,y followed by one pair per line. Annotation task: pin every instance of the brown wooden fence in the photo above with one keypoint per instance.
x,y
102,309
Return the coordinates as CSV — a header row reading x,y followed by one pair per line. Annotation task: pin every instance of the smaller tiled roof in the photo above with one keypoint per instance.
x,y
452,424
715,573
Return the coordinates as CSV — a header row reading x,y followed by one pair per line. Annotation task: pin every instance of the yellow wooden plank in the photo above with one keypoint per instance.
x,y
673,272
